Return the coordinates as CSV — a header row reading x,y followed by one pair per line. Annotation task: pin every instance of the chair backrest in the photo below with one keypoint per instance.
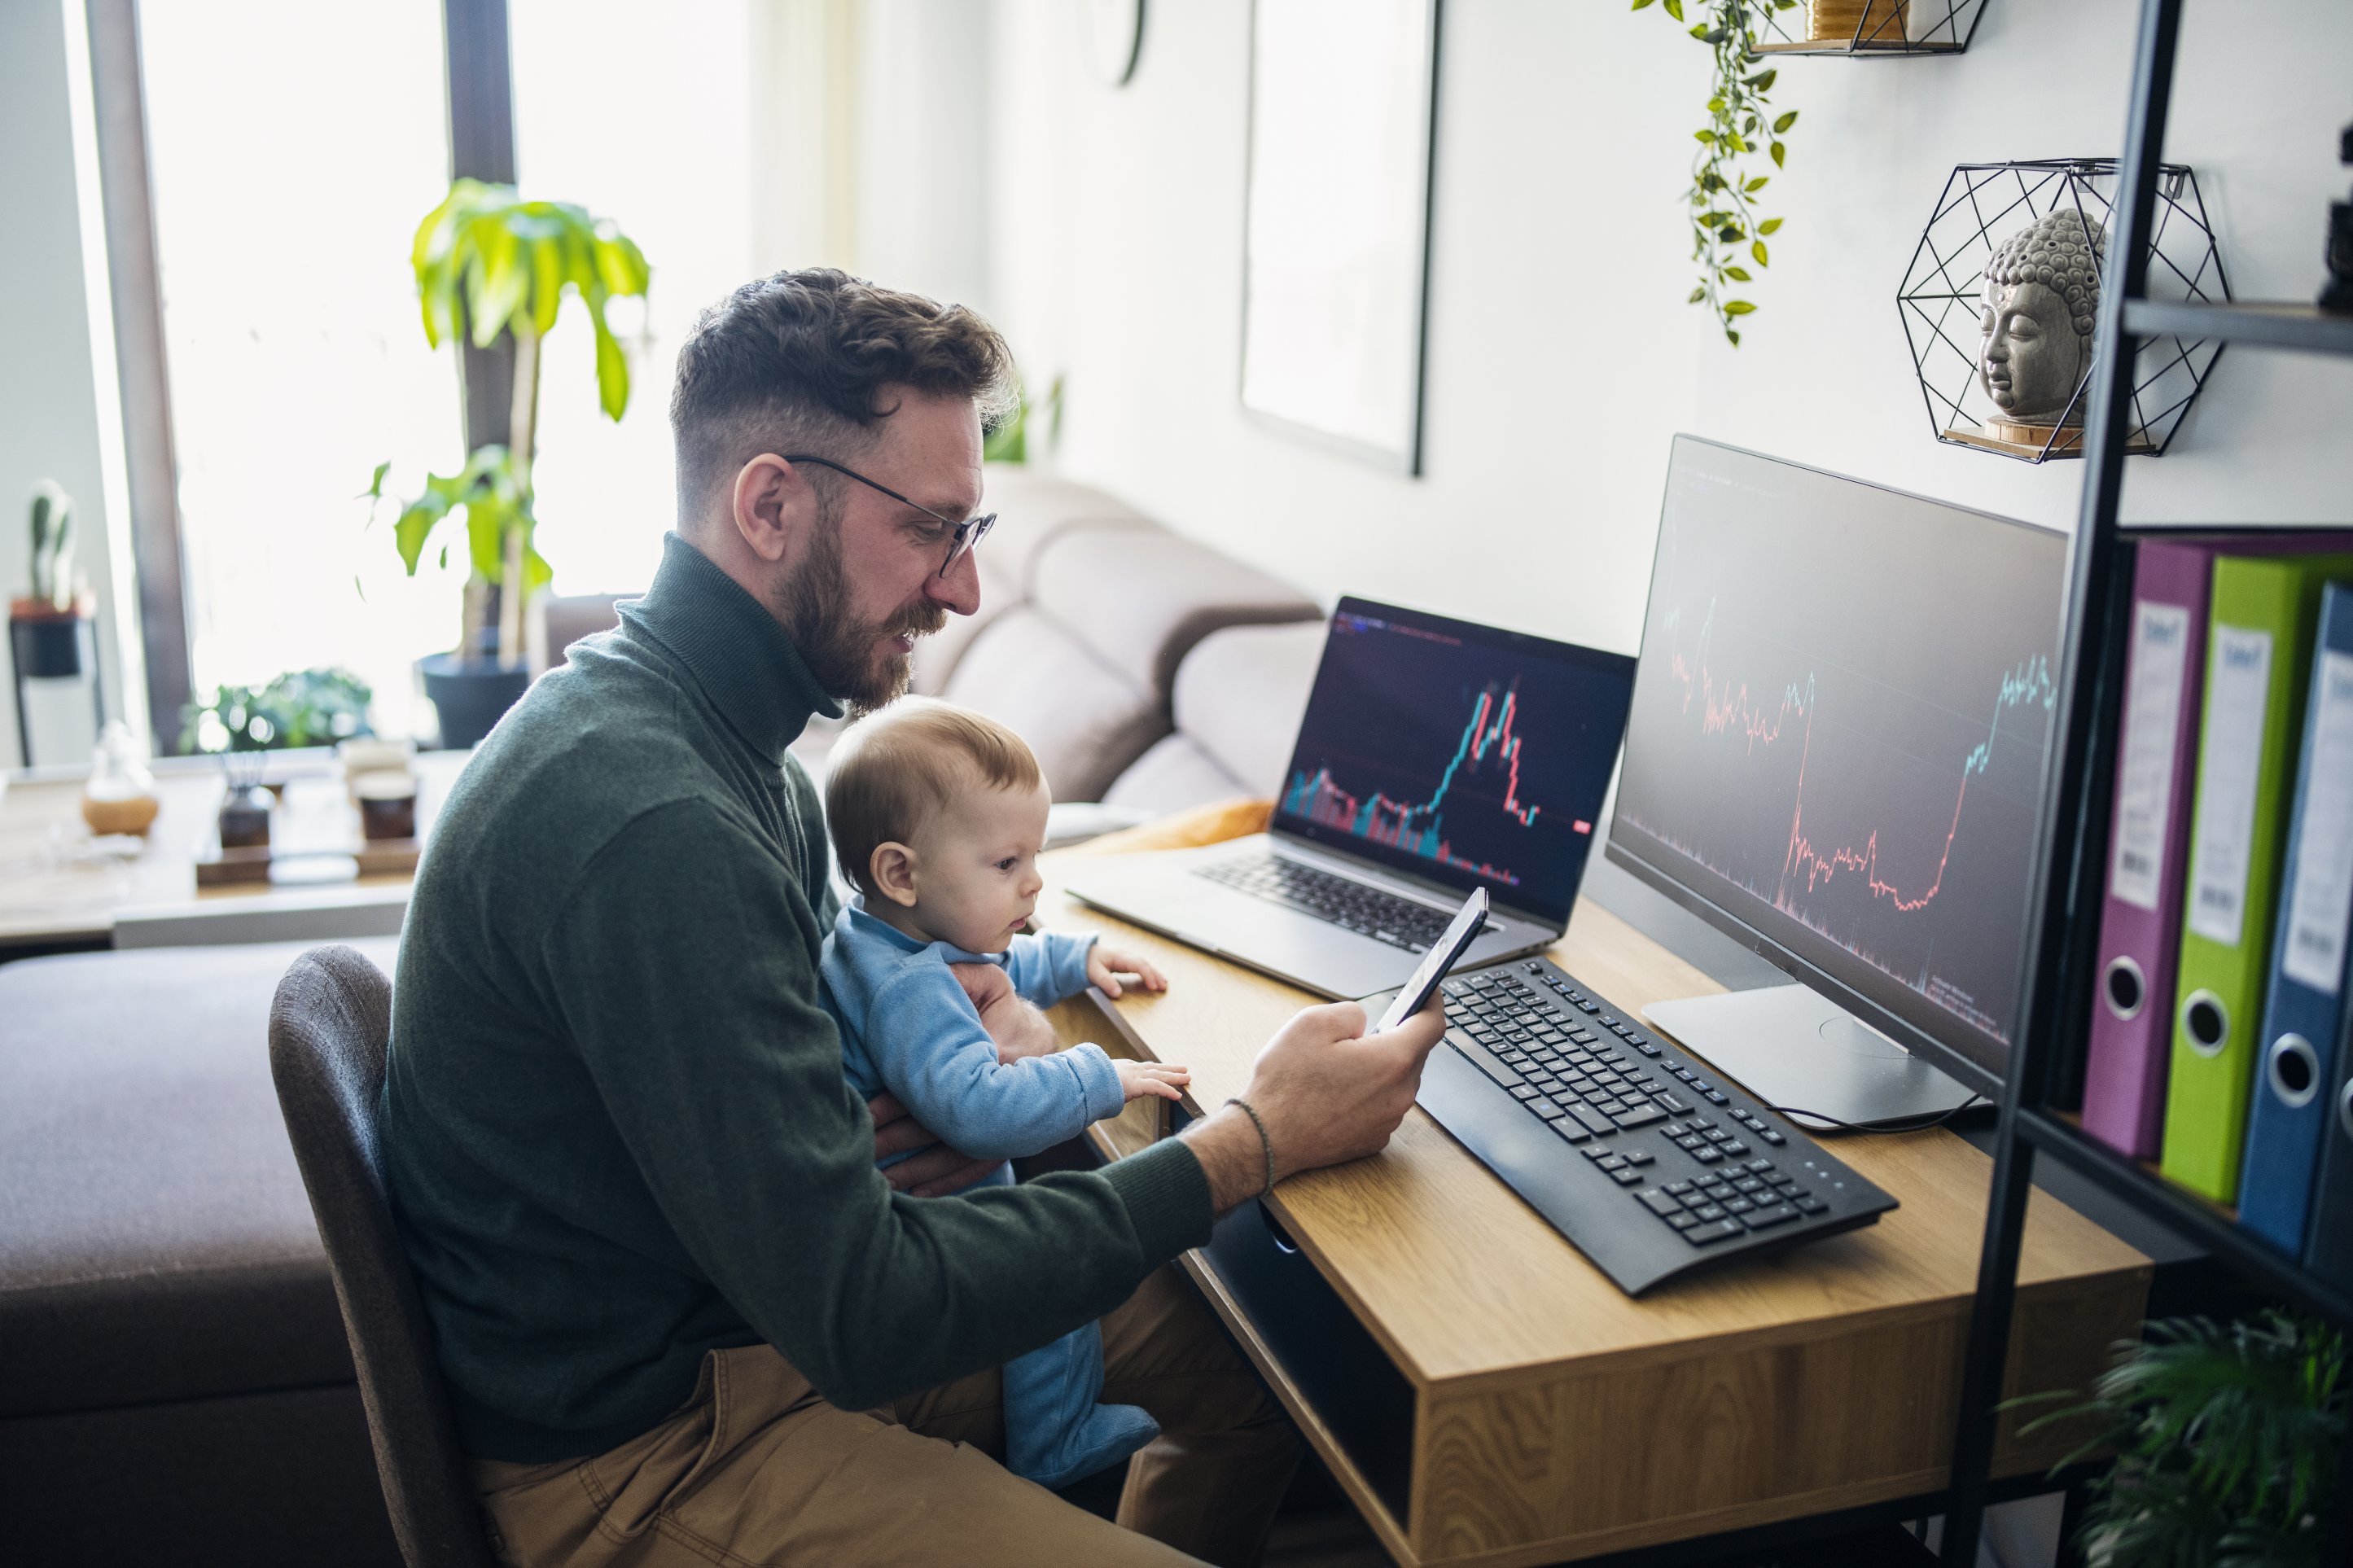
x,y
329,1026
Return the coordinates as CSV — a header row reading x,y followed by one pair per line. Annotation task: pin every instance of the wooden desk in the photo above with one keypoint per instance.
x,y
60,888
1552,1416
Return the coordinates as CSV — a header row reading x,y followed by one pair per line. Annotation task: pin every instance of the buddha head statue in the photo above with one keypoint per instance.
x,y
2041,306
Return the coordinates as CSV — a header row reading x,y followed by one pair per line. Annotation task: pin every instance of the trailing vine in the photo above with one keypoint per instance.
x,y
1727,232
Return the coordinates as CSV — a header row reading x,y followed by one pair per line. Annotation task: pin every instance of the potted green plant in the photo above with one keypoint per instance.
x,y
2226,1441
488,262
242,724
45,624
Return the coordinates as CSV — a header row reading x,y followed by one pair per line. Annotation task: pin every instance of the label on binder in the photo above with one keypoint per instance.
x,y
2237,691
2145,759
2322,896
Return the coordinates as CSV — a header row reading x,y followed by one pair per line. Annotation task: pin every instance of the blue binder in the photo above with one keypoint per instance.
x,y
2296,1067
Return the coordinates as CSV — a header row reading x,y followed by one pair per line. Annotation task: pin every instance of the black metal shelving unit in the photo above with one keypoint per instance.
x,y
2063,925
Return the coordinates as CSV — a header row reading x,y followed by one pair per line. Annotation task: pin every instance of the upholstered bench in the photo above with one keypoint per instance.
x,y
174,1385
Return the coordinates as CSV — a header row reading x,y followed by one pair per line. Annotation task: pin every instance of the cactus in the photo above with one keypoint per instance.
x,y
53,510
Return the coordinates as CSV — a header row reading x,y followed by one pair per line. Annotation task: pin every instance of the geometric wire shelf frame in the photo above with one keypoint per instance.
x,y
1869,29
1942,299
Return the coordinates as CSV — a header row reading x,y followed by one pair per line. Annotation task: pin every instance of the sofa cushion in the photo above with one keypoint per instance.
x,y
1032,508
1141,598
155,1241
1241,695
1083,718
1175,775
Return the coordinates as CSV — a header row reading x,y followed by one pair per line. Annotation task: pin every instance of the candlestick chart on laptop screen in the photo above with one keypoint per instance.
x,y
1840,726
1474,756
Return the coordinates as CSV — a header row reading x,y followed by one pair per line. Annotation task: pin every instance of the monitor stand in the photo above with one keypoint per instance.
x,y
1799,1052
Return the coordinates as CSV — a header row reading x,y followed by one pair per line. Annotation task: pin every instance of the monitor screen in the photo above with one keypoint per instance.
x,y
1837,743
1470,756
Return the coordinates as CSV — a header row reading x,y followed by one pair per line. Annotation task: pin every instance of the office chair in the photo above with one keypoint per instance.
x,y
329,1026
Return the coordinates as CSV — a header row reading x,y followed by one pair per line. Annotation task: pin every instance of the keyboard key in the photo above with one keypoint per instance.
x,y
1594,1121
1809,1204
1658,1203
1627,1178
1526,1091
1748,1186
1717,1096
1734,1148
1639,1157
1779,1214
1719,1190
1721,1230
1640,1116
1611,1162
1481,1058
1738,1206
1678,1188
1760,1166
1569,1131
1546,1108
1705,1154
1709,1213
1772,1136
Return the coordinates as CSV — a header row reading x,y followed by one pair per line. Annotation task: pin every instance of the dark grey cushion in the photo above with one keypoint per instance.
x,y
155,1243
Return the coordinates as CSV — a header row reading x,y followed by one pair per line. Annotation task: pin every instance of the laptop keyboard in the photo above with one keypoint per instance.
x,y
1344,902
1697,1159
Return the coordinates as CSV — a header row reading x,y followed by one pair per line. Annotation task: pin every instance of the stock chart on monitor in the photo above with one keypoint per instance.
x,y
1476,756
1839,728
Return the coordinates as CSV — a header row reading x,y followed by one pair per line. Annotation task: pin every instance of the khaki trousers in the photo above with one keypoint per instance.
x,y
757,1469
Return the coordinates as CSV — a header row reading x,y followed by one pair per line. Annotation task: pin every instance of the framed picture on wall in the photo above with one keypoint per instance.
x,y
1336,266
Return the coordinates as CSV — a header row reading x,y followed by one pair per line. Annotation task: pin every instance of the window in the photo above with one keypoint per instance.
x,y
295,146
642,116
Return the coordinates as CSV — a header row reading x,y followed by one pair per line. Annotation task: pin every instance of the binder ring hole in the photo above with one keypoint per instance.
x,y
2206,1023
2294,1070
2126,988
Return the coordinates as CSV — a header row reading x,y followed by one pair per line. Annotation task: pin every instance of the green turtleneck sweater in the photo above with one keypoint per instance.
x,y
616,1127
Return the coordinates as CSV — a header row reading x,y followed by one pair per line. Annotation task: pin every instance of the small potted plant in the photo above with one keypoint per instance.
x,y
242,724
45,625
488,262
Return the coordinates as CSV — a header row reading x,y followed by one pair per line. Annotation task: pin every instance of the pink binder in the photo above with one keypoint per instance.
x,y
2149,840
2148,834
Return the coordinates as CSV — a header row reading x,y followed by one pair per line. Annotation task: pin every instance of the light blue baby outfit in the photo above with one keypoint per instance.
x,y
908,1027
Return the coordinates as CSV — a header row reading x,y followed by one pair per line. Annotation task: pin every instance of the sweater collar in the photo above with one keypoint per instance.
x,y
874,928
732,645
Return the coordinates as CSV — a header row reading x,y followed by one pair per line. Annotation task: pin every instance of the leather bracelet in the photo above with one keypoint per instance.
x,y
1264,1142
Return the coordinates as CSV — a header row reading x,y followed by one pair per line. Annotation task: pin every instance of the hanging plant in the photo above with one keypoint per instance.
x,y
1727,235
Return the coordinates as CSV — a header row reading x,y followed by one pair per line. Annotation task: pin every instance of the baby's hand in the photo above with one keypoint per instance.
x,y
1105,964
1138,1079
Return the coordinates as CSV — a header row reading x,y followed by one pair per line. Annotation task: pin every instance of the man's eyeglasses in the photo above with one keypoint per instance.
x,y
962,536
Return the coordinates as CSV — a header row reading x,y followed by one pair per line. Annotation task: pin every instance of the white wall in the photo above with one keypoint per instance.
x,y
1561,355
51,417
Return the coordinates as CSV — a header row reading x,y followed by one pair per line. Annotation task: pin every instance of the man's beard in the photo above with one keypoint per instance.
x,y
839,649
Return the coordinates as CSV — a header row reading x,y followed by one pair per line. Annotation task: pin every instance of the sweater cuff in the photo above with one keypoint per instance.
x,y
1099,1084
1168,1198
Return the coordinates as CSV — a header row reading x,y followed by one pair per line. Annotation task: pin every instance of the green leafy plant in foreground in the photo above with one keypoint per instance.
x,y
2226,1441
1727,232
488,262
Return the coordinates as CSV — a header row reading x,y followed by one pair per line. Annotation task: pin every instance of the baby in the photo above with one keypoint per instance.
x,y
938,816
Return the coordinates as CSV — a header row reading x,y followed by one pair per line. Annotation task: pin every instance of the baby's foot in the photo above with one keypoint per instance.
x,y
1109,1434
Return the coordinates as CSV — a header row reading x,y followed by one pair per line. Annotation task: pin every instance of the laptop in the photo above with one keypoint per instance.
x,y
1435,756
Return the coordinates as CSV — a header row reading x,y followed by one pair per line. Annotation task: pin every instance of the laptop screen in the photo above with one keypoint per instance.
x,y
1470,756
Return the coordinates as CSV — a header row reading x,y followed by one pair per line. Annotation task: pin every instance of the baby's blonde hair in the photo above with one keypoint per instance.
x,y
892,772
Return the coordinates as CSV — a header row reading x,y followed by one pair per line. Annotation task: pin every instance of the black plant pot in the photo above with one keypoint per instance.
x,y
470,695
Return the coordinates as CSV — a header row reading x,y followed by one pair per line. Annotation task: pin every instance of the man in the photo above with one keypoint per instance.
x,y
682,1317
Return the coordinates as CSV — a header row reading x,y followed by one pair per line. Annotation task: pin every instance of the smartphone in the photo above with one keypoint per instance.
x,y
1438,961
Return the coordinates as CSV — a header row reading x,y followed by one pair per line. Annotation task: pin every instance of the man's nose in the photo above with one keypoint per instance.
x,y
959,589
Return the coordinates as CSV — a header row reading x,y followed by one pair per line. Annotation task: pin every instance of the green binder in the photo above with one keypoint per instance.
x,y
2258,658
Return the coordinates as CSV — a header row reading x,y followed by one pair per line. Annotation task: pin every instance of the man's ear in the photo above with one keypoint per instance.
x,y
892,869
773,504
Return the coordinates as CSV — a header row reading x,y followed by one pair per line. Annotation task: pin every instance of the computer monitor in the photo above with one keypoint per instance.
x,y
1836,749
1472,756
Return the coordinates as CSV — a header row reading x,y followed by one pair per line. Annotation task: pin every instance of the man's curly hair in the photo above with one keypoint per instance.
x,y
801,362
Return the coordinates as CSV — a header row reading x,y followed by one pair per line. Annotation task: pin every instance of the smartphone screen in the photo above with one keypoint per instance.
x,y
1437,961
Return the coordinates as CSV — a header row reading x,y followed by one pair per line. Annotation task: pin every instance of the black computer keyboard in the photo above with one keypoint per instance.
x,y
1633,1151
1346,903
